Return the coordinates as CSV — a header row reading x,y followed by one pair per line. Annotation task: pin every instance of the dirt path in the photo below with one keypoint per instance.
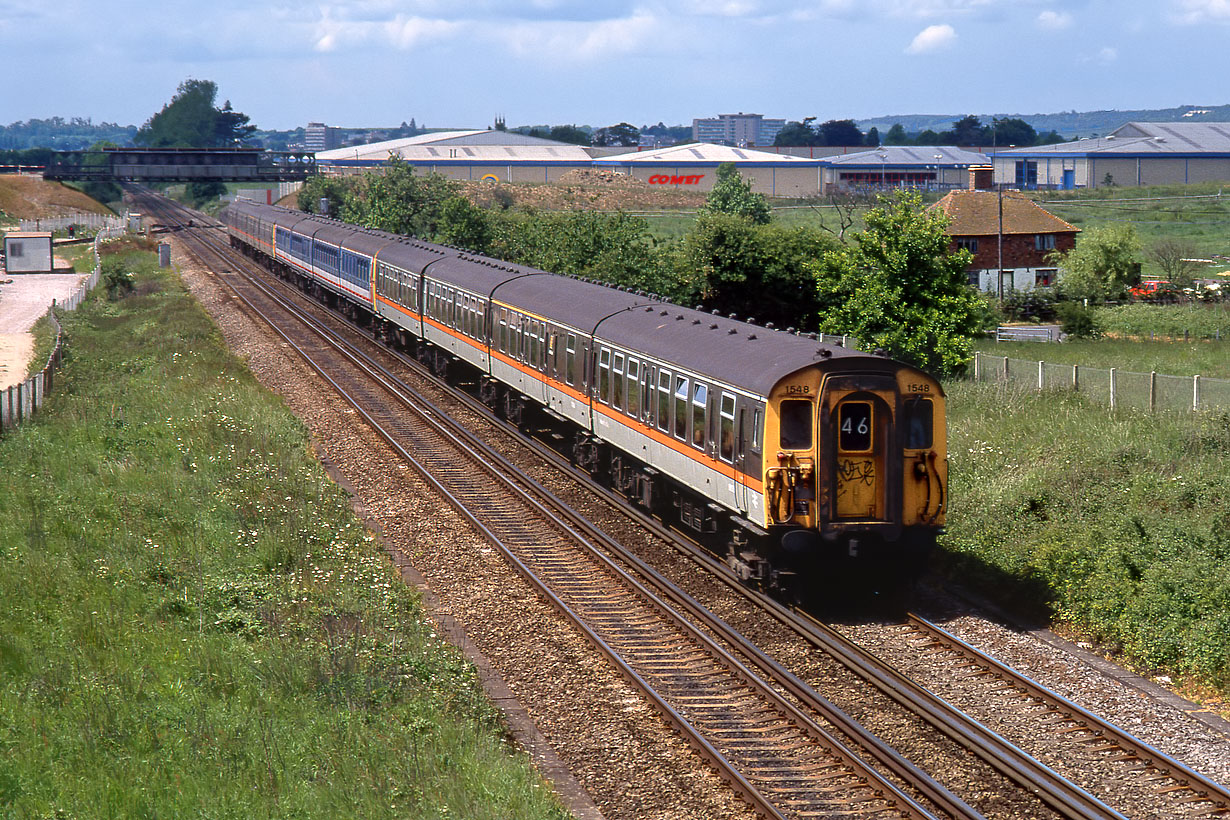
x,y
23,299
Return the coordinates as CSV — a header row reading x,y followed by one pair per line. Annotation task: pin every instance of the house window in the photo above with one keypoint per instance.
x,y
967,244
1044,277
975,279
1044,241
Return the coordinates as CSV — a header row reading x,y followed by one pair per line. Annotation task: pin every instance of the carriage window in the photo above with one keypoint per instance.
x,y
604,376
618,400
700,396
634,388
535,356
664,400
570,355
796,416
854,427
681,408
542,346
757,416
919,420
502,338
726,449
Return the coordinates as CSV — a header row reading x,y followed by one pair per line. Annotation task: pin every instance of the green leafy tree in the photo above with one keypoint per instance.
x,y
1102,266
873,137
200,192
190,120
896,135
622,134
797,133
570,133
464,225
968,130
397,201
336,190
839,132
929,137
1011,131
761,271
733,195
900,288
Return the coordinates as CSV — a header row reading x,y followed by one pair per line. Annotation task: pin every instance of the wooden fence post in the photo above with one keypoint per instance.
x,y
1041,376
1005,368
1076,378
1195,392
1152,390
1112,388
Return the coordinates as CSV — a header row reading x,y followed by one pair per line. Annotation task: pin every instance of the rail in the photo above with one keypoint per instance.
x,y
23,400
1119,388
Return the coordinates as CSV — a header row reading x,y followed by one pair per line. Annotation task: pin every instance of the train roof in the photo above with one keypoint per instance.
x,y
741,354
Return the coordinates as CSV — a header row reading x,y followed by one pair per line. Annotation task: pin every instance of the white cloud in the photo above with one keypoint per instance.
x,y
932,38
932,8
578,42
1104,56
1199,11
1054,20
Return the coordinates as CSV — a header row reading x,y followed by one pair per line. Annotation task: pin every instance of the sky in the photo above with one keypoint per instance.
x,y
460,63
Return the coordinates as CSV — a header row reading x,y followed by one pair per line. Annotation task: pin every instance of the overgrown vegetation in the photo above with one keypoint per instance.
x,y
194,623
1117,526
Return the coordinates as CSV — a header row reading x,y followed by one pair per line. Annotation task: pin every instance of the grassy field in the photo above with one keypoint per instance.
x,y
1209,359
1116,525
193,622
1198,214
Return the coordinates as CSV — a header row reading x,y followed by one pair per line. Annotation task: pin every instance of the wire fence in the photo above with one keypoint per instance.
x,y
1118,388
21,401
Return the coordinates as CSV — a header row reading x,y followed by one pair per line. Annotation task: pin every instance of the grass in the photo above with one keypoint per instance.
x,y
1114,525
1209,359
194,623
44,333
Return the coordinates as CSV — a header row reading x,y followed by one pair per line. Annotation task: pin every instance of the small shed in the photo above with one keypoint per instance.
x,y
28,252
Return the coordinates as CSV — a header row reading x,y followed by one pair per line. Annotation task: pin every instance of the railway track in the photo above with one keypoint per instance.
x,y
780,757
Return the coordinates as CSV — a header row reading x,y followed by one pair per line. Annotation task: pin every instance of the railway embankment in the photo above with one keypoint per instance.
x,y
195,623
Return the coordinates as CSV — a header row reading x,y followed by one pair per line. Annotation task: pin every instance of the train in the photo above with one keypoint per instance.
x,y
793,459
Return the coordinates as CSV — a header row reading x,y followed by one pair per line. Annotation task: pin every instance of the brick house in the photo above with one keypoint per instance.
x,y
1030,234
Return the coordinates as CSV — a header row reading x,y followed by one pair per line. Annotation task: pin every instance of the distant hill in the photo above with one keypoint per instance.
x,y
1068,123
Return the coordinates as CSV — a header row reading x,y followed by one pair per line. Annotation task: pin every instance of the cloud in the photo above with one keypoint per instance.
x,y
578,42
1192,12
1104,56
1054,20
932,38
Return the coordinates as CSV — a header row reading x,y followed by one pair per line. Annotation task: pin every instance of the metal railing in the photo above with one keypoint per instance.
x,y
21,401
85,220
1118,388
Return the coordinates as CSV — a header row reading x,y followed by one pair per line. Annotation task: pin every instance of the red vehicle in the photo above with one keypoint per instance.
x,y
1154,290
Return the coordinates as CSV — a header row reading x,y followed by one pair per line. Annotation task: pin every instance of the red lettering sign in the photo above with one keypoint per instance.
x,y
669,179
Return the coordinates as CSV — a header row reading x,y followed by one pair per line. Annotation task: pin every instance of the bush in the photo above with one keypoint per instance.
x,y
1037,305
1077,320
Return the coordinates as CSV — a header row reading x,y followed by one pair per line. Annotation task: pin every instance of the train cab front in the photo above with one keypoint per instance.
x,y
855,471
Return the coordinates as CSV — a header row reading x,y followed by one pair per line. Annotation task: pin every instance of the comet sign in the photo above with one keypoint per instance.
x,y
669,179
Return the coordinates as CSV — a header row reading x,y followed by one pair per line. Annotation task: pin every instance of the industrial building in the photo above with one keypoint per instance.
x,y
694,167
465,155
1138,153
930,167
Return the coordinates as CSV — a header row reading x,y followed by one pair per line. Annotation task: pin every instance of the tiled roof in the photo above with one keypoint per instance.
x,y
976,213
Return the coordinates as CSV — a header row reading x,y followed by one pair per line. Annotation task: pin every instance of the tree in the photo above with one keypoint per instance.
x,y
190,120
1011,131
929,137
464,225
797,133
1175,257
397,201
873,137
570,133
1102,266
840,132
896,135
622,134
900,288
733,195
966,131
761,271
334,189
